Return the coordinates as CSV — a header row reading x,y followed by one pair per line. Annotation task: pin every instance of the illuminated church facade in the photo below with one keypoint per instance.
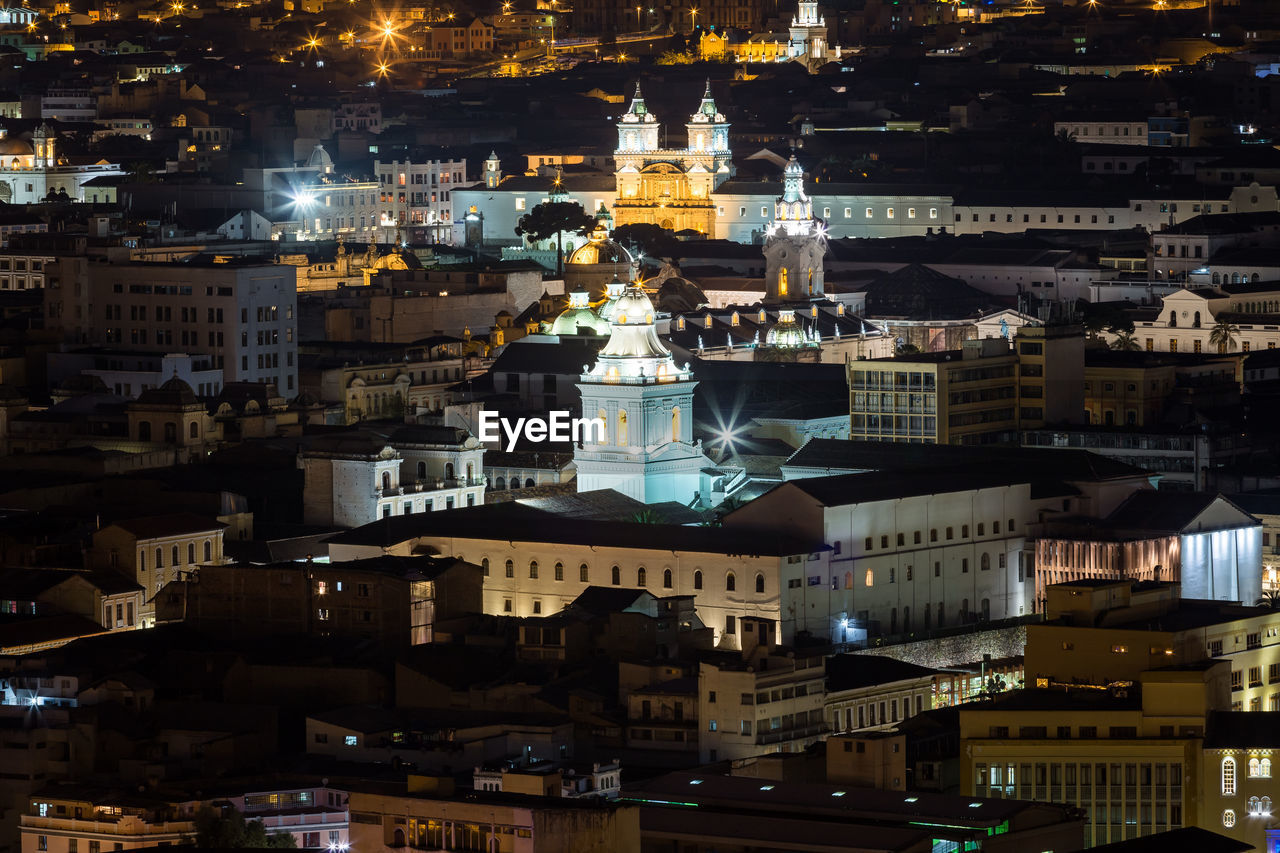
x,y
671,187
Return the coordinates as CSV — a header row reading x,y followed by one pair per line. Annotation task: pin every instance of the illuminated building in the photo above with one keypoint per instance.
x,y
795,245
671,187
646,403
30,171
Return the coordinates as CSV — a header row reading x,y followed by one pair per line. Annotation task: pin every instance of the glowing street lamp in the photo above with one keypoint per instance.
x,y
693,14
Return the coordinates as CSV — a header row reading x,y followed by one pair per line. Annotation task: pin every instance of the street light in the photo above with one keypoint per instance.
x,y
693,13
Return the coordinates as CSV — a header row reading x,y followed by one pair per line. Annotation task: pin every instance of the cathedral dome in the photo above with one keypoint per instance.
x,y
13,146
173,392
634,354
579,318
600,249
787,332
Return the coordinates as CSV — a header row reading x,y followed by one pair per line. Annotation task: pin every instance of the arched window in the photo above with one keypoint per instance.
x,y
559,570
617,576
500,483
1195,321
1254,768
511,569
640,576
811,281
666,579
1228,776
533,569
622,428
484,567
194,432
760,583
1173,319
1254,805
159,558
422,470
174,554
730,582
1264,769
1265,806
386,479
191,552
697,580
782,282
208,551
1254,278
1217,279
584,575
528,483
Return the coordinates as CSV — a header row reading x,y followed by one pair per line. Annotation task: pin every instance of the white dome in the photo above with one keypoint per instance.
x,y
634,354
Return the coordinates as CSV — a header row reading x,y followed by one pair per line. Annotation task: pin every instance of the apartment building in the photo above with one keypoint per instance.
x,y
980,394
240,315
1103,632
868,693
157,549
418,194
326,209
769,700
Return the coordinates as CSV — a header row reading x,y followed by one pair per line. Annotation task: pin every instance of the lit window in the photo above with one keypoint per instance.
x,y
1229,777
1229,818
351,740
911,213
889,212
870,578
868,213
933,213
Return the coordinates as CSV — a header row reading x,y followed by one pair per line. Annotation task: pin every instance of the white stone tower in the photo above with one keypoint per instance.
x,y
646,402
795,245
492,171
638,129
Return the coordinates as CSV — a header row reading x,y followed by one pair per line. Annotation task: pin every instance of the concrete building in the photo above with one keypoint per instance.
x,y
240,316
769,700
869,693
418,196
352,479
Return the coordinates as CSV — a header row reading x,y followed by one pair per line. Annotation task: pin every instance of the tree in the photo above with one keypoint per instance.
x,y
230,829
1125,342
1224,336
1270,598
553,219
648,516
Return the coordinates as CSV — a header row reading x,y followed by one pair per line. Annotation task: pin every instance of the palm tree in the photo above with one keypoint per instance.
x,y
1125,342
1271,599
1224,336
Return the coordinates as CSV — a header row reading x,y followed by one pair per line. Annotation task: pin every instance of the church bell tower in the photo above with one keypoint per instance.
x,y
646,402
795,245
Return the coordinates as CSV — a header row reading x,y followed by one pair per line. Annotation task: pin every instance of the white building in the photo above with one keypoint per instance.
x,y
30,171
646,405
242,316
68,105
419,194
353,479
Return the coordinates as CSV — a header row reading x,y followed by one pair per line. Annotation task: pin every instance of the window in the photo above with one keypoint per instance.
x,y
697,580
1228,776
559,570
760,583
583,574
616,575
484,567
1229,818
511,569
730,582
640,576
533,569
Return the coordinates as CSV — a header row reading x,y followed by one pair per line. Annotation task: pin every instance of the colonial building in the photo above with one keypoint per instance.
x,y
353,478
795,245
671,187
32,171
156,550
